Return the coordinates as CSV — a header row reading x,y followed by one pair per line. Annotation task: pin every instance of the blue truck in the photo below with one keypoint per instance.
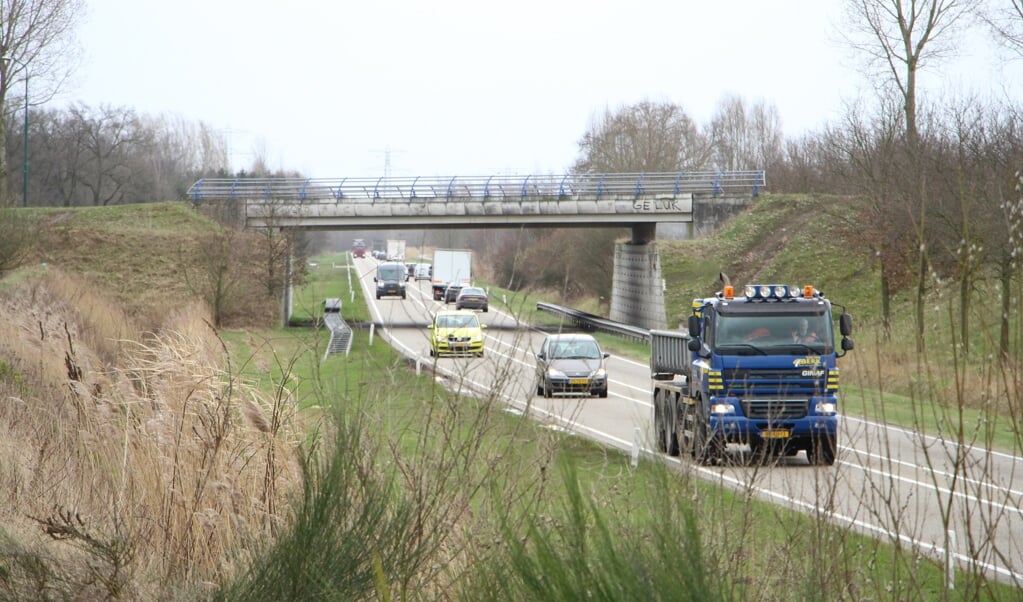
x,y
755,373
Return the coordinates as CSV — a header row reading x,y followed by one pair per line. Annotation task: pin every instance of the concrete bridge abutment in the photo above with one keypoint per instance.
x,y
637,290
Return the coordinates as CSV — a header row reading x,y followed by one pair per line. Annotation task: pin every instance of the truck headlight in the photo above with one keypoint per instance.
x,y
826,409
722,408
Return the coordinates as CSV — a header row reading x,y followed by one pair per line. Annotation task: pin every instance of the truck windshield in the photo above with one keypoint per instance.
x,y
772,334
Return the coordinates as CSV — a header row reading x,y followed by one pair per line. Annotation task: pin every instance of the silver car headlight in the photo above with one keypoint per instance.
x,y
555,372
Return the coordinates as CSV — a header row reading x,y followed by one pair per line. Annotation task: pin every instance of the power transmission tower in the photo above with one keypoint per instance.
x,y
387,152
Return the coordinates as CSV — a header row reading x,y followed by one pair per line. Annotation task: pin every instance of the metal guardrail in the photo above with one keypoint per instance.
x,y
426,188
587,320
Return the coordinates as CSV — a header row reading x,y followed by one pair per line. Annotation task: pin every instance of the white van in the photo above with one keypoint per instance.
x,y
424,271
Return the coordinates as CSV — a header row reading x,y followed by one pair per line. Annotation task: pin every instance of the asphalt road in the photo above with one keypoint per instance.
x,y
958,504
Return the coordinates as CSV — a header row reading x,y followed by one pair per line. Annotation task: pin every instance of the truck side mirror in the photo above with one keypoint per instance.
x,y
694,326
845,325
847,344
694,345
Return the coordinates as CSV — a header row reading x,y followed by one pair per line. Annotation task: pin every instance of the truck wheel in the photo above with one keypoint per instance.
x,y
822,451
705,447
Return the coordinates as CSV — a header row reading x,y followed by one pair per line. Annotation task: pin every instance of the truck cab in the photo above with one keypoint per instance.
x,y
761,371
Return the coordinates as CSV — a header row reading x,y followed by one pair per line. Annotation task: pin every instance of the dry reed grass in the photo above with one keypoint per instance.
x,y
135,448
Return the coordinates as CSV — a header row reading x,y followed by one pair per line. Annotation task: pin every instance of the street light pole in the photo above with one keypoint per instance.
x,y
24,163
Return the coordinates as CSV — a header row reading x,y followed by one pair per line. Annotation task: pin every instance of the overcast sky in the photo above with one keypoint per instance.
x,y
337,88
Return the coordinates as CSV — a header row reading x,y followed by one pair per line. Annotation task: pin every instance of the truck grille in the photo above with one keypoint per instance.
x,y
775,409
776,395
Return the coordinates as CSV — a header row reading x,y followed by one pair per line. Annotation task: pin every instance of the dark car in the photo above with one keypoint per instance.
x,y
390,279
451,292
571,364
472,297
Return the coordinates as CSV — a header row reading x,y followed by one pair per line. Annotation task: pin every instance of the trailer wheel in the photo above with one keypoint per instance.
x,y
686,428
659,422
670,419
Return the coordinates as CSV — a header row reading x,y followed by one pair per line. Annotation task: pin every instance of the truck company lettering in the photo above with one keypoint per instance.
x,y
656,206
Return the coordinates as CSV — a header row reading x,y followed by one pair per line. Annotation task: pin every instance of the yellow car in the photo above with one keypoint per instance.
x,y
456,332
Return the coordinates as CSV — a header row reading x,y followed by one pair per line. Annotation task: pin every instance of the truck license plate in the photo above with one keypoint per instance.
x,y
774,434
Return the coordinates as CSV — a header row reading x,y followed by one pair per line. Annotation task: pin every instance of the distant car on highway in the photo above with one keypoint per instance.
x,y
472,297
571,364
451,291
457,332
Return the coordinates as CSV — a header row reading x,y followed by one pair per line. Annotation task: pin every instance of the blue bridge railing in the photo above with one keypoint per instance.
x,y
425,188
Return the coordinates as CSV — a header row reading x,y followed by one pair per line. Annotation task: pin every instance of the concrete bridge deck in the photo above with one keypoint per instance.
x,y
464,201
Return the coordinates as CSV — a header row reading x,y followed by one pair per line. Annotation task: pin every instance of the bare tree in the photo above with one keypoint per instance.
x,y
213,274
899,38
989,142
745,136
644,137
867,156
1005,18
36,41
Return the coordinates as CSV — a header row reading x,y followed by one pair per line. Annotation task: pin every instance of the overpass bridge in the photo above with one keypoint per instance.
x,y
638,201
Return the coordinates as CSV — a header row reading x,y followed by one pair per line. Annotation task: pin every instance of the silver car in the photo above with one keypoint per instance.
x,y
571,364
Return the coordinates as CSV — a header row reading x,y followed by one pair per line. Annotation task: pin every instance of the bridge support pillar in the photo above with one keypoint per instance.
x,y
643,234
637,292
286,291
